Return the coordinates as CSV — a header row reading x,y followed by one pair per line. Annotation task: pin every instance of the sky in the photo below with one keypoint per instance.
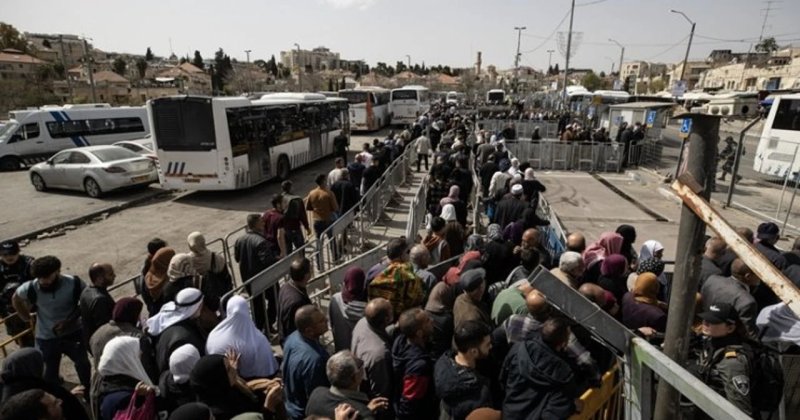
x,y
447,32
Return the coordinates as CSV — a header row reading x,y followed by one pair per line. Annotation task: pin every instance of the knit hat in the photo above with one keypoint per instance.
x,y
127,310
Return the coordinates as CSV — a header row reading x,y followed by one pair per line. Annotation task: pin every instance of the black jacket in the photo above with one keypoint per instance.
x,y
415,396
346,194
509,210
252,253
174,394
184,332
460,388
540,384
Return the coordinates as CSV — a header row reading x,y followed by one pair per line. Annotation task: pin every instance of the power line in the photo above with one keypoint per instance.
x,y
668,49
549,37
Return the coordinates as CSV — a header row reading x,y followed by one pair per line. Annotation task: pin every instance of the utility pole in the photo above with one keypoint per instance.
x,y
569,51
408,57
64,64
88,61
249,73
621,57
519,30
688,47
702,153
299,69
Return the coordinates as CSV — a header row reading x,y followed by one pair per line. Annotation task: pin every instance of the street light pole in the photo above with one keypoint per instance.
x,y
569,51
64,65
621,57
88,61
688,46
249,73
550,58
519,30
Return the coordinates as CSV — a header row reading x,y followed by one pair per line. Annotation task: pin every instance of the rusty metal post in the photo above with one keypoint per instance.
x,y
698,176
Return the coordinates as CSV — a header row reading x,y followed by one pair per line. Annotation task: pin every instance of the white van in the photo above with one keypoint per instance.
x,y
33,135
778,153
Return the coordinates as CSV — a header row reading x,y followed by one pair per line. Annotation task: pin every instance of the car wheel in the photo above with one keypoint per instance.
x,y
92,188
38,182
283,167
10,163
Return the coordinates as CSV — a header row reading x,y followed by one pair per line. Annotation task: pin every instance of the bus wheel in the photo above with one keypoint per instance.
x,y
283,167
10,163
92,188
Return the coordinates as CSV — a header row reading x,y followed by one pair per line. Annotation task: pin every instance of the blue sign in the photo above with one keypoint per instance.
x,y
651,118
686,127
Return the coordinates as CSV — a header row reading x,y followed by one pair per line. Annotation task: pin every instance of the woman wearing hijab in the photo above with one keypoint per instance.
x,y
454,232
498,256
238,332
653,249
124,321
347,307
174,384
648,265
23,370
155,280
175,325
216,383
200,255
460,206
612,275
435,241
440,308
641,307
121,375
608,244
628,234
181,275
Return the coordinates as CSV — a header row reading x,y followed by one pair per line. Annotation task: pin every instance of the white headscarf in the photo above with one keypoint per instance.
x,y
448,213
201,256
121,357
186,304
237,331
182,361
649,249
180,265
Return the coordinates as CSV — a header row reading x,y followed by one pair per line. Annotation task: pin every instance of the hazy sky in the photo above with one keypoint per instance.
x,y
447,32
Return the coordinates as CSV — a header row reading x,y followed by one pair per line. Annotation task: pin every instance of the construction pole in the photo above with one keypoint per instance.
x,y
87,58
64,64
569,50
698,177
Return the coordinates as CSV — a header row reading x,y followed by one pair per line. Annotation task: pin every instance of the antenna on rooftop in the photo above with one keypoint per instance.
x,y
768,9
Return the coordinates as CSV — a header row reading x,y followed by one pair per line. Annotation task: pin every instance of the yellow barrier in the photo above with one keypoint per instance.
x,y
5,343
605,402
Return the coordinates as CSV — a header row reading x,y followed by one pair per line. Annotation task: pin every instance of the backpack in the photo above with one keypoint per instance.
x,y
76,292
766,377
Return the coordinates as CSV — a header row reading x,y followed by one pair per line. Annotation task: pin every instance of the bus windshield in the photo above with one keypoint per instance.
x,y
496,96
404,95
184,124
354,97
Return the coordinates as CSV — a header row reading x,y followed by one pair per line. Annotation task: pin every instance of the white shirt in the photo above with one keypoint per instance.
x,y
334,175
366,158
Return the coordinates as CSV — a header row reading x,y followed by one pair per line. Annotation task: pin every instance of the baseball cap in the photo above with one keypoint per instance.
x,y
720,313
9,248
768,230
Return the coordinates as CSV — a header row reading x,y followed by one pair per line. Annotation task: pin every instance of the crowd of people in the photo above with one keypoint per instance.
x,y
471,341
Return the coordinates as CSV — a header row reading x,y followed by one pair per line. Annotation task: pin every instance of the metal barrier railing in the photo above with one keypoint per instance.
x,y
417,210
524,128
604,402
581,156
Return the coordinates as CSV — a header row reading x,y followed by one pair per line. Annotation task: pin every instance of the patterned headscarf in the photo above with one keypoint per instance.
x,y
494,232
651,265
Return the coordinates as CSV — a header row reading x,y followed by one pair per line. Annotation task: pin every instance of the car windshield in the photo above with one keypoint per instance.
x,y
113,153
7,130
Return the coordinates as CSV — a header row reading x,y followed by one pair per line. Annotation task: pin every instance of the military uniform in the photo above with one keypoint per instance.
x,y
727,370
11,277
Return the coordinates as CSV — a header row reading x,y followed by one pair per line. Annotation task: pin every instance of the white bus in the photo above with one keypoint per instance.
x,y
452,98
33,135
408,103
227,143
496,97
780,139
369,107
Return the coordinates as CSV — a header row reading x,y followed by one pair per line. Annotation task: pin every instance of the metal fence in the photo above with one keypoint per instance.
x,y
550,154
524,128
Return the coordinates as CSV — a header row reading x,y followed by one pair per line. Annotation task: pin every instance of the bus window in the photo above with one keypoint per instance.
x,y
399,95
184,124
787,116
354,97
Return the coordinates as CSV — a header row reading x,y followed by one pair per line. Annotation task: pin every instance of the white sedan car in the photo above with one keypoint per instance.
x,y
94,169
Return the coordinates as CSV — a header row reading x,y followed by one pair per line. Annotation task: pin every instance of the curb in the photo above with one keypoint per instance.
x,y
80,219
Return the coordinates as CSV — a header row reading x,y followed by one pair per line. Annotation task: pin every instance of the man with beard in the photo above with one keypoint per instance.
x,y
54,297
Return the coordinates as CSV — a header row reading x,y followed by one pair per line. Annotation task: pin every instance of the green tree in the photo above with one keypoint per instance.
x,y
272,66
591,82
46,44
556,70
221,71
330,85
767,45
657,86
401,67
141,68
59,70
119,66
183,60
197,61
11,38
149,55
602,75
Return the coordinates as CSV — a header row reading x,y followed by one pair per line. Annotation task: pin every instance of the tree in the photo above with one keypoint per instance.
x,y
197,61
149,55
657,86
272,66
141,68
602,74
59,70
556,70
767,45
401,67
221,72
591,82
46,44
118,66
330,85
550,70
11,38
183,60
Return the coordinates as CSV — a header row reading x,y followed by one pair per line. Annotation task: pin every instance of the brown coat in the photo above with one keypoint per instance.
x,y
466,310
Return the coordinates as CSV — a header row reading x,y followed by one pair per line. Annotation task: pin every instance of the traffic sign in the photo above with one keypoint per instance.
x,y
651,118
686,127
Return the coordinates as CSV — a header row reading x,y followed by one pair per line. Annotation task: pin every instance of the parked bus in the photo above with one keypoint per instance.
x,y
227,143
777,152
33,135
452,98
369,107
408,103
496,97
